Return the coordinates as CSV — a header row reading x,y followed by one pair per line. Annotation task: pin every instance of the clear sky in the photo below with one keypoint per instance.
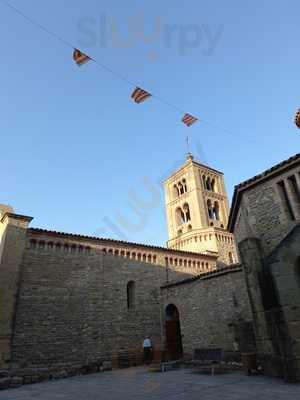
x,y
76,151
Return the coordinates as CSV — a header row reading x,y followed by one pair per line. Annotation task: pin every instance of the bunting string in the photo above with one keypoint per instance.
x,y
139,94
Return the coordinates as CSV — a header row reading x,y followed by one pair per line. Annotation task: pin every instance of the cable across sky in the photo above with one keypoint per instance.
x,y
188,119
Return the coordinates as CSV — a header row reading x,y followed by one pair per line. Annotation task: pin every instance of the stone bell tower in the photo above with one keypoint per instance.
x,y
197,211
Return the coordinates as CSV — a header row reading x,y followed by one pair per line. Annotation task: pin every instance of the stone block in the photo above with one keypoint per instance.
x,y
5,383
294,330
27,380
107,365
16,381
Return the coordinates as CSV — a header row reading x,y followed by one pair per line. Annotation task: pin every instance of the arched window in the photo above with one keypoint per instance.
x,y
204,181
187,214
210,210
180,187
130,295
208,183
184,185
180,217
175,191
230,256
216,213
213,185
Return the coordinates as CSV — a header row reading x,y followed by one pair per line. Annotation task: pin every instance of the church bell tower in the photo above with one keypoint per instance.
x,y
197,211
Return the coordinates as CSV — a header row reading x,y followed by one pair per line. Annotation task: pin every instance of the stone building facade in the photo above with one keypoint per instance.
x,y
197,212
265,218
214,311
73,304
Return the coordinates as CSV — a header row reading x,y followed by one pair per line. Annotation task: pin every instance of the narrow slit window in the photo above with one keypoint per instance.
x,y
285,200
130,295
295,194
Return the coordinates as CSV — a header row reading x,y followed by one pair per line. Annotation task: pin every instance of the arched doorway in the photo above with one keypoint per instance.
x,y
173,333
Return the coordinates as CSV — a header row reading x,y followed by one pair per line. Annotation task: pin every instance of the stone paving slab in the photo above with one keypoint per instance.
x,y
139,383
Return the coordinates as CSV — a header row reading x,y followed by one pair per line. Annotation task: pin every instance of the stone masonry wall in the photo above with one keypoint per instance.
x,y
209,309
284,267
13,230
72,307
263,213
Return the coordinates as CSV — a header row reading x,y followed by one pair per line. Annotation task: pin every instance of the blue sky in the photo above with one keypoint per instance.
x,y
75,150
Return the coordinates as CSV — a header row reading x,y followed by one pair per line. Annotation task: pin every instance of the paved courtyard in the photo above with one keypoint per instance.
x,y
138,383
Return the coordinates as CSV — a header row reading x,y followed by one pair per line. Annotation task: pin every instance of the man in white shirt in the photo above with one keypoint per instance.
x,y
147,346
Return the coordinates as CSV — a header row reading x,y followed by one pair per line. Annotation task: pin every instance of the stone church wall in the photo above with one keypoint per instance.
x,y
212,310
72,299
262,213
72,309
68,312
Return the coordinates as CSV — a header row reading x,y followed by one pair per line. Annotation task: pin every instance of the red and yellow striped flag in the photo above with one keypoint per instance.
x,y
80,58
139,95
189,120
297,118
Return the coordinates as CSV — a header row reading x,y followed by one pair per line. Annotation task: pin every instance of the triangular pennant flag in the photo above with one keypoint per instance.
x,y
297,118
189,120
80,58
139,95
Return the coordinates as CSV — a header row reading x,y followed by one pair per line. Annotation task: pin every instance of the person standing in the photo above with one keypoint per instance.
x,y
147,346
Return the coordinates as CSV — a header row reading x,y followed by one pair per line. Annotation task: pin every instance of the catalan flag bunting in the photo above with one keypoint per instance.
x,y
139,95
189,120
80,58
297,118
